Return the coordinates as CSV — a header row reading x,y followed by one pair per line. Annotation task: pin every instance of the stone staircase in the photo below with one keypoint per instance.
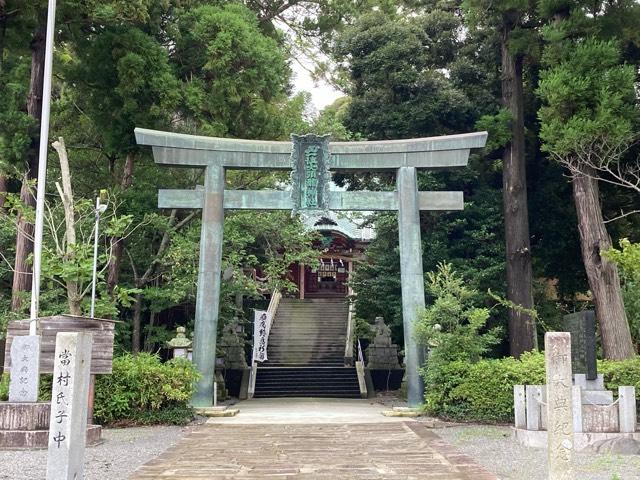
x,y
306,351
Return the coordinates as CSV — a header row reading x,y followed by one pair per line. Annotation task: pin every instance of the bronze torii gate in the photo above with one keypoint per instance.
x,y
310,158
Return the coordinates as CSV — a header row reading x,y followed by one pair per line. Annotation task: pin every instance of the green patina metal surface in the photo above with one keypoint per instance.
x,y
310,175
310,160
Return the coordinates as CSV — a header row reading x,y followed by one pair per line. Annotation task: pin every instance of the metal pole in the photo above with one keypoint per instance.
x,y
95,259
42,166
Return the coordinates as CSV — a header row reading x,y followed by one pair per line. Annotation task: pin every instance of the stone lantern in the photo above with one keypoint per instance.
x,y
180,344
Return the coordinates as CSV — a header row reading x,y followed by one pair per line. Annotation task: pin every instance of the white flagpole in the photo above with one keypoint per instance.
x,y
42,166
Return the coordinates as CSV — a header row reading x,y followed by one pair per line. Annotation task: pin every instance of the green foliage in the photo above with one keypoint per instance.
x,y
627,257
498,127
231,71
4,387
125,81
589,97
398,89
481,391
143,389
620,373
452,325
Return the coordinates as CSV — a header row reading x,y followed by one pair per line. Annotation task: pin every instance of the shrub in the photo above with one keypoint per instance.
x,y
483,391
4,387
621,373
453,325
144,390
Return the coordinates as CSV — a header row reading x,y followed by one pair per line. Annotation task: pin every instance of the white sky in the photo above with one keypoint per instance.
x,y
322,94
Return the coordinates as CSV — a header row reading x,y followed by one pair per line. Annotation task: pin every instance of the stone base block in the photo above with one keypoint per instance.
x,y
403,412
24,416
597,397
28,439
217,411
237,382
387,379
580,380
538,438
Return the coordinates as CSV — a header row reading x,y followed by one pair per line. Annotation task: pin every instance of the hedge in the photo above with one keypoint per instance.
x,y
141,390
483,391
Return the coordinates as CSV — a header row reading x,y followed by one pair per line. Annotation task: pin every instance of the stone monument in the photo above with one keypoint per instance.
x,y
582,327
26,424
69,403
557,355
25,369
596,417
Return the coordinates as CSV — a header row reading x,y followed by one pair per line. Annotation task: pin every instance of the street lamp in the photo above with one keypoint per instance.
x,y
100,208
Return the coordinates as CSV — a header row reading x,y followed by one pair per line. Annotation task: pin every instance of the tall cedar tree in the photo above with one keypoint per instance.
x,y
513,20
589,101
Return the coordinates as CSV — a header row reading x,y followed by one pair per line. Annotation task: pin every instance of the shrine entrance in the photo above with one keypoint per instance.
x,y
328,280
310,159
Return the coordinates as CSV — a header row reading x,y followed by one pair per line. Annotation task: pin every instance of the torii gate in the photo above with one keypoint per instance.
x,y
310,158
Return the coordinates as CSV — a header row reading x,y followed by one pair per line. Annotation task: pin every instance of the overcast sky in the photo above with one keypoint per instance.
x,y
322,94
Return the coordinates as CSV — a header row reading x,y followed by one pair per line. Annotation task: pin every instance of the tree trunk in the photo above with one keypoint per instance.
x,y
522,327
604,281
137,324
24,238
147,337
3,190
66,195
118,246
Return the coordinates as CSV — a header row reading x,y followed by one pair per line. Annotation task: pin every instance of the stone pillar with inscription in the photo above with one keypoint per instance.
x,y
559,405
68,421
25,368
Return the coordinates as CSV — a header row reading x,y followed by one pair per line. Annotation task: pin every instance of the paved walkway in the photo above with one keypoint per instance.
x,y
309,439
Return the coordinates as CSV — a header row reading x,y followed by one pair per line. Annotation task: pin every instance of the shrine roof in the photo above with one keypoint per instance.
x,y
332,221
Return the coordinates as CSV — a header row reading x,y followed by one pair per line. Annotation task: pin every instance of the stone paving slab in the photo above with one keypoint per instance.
x,y
399,450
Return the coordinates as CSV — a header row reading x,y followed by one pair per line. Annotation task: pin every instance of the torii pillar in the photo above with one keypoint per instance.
x,y
311,160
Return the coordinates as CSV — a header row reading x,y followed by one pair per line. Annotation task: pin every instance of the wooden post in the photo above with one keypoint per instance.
x,y
91,399
303,273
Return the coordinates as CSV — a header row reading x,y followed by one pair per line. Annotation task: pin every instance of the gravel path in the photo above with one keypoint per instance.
x,y
495,449
123,450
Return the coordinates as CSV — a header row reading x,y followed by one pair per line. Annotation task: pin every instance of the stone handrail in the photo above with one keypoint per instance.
x,y
271,313
276,296
348,347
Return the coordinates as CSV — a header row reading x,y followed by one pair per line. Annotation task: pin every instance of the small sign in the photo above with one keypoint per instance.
x,y
261,327
310,176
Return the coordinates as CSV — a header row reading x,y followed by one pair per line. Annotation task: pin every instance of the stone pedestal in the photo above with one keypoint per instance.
x,y
382,357
381,353
26,426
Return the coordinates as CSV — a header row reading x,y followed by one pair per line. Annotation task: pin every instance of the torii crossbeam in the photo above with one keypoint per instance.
x,y
310,158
